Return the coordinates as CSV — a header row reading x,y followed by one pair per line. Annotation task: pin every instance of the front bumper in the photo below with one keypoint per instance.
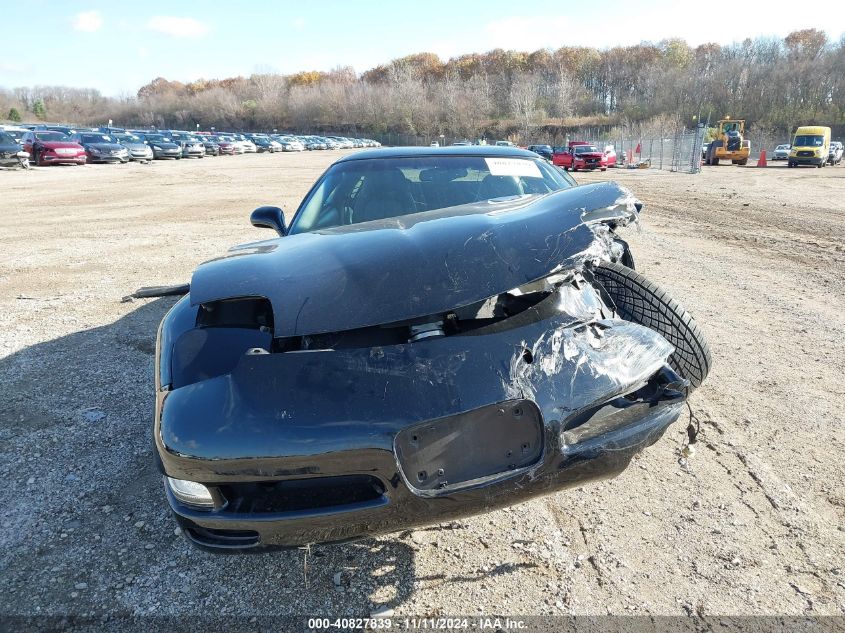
x,y
108,158
13,159
167,153
807,160
394,504
58,160
590,164
414,434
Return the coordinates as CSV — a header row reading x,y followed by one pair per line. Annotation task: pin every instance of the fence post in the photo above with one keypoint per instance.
x,y
661,149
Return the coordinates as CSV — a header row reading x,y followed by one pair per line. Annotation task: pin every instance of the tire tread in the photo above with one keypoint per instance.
x,y
642,301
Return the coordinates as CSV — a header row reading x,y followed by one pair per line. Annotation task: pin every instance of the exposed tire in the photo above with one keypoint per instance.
x,y
639,300
744,161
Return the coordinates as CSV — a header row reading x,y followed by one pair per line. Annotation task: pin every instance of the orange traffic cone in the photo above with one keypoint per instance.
x,y
761,162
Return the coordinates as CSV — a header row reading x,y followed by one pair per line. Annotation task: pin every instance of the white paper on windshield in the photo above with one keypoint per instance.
x,y
513,167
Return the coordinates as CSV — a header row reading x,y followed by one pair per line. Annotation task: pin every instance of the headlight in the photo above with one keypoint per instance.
x,y
156,148
190,493
94,151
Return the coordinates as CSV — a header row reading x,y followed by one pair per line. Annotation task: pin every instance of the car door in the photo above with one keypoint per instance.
x,y
27,142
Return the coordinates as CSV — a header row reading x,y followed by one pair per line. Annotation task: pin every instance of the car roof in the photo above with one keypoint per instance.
x,y
461,150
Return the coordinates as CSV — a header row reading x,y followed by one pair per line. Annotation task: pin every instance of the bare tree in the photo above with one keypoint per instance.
x,y
523,97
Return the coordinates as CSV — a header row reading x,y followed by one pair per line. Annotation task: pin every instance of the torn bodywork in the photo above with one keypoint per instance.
x,y
322,395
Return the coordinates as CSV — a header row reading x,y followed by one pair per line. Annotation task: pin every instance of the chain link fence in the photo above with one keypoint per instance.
x,y
680,152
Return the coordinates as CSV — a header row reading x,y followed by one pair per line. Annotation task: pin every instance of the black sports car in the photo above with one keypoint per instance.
x,y
438,332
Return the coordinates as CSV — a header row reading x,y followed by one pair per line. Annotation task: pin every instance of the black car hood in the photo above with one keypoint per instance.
x,y
415,265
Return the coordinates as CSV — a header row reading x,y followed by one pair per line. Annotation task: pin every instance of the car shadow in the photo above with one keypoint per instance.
x,y
86,528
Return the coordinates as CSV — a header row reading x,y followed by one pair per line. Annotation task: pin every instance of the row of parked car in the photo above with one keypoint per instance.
x,y
58,144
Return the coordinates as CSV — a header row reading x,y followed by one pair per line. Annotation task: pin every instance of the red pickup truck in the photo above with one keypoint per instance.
x,y
580,155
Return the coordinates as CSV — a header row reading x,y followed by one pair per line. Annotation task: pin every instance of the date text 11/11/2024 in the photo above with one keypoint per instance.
x,y
416,624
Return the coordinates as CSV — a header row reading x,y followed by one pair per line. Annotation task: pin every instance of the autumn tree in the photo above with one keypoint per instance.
x,y
774,83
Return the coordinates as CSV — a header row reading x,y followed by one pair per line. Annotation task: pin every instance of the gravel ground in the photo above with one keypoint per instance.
x,y
754,525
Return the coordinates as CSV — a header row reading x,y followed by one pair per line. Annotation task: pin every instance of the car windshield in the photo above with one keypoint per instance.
x,y
127,138
358,191
585,149
51,136
95,138
157,138
782,147
808,140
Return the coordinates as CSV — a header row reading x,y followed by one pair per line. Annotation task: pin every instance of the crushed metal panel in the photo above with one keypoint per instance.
x,y
336,279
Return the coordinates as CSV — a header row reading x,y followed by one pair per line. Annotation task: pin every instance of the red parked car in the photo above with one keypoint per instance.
x,y
48,147
580,155
227,146
610,155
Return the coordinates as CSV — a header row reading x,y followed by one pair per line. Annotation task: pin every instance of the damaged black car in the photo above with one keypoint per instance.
x,y
438,332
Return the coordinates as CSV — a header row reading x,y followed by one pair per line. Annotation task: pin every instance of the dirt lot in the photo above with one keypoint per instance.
x,y
753,526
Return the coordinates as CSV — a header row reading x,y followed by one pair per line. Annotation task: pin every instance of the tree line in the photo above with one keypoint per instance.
x,y
774,83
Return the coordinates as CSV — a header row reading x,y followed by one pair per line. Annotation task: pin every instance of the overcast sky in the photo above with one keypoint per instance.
x,y
118,46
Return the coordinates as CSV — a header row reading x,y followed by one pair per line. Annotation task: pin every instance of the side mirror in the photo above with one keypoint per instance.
x,y
269,218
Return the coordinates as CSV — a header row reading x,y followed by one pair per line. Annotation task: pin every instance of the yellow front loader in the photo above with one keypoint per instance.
x,y
730,143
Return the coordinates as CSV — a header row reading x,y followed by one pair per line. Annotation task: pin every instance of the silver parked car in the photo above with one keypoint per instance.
x,y
135,145
781,152
192,146
834,156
